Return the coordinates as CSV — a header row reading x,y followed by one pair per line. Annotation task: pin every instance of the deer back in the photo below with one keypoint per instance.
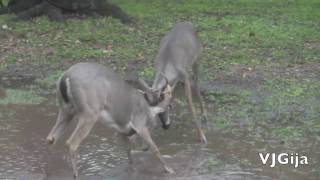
x,y
98,88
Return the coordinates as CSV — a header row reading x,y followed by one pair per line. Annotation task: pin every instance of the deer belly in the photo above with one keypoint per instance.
x,y
108,121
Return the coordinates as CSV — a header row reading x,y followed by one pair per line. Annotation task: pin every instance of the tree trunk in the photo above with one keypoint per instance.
x,y
27,9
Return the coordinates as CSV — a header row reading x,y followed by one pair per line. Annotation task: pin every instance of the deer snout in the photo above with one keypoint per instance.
x,y
50,140
165,126
165,120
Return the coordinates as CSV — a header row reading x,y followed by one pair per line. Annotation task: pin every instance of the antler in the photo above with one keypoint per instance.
x,y
167,93
167,88
144,85
165,77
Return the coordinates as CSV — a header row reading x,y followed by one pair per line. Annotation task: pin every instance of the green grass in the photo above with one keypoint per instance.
x,y
287,107
231,32
50,81
21,97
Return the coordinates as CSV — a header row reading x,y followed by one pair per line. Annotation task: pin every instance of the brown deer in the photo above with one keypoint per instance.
x,y
179,51
90,92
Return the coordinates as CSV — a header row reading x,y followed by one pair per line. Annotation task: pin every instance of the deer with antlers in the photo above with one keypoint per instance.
x,y
179,51
89,92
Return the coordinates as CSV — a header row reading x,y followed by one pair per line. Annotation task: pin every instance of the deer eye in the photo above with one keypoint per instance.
x,y
161,98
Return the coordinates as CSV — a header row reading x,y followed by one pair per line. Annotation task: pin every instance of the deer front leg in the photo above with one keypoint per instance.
x,y
73,157
188,92
195,69
125,140
145,135
86,122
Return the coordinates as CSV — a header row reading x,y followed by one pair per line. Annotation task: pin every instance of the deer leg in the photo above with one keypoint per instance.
x,y
145,135
195,69
65,116
135,139
74,157
193,110
127,145
86,122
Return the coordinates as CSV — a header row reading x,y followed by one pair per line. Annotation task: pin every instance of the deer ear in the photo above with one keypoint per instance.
x,y
142,92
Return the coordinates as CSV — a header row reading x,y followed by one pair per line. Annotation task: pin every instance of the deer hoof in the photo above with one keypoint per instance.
x,y
50,140
75,176
169,170
145,148
203,139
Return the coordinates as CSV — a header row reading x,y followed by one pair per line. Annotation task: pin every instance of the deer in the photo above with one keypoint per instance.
x,y
179,51
90,92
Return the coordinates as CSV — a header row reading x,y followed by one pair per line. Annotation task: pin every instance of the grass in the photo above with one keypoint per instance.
x,y
50,81
21,97
287,108
231,32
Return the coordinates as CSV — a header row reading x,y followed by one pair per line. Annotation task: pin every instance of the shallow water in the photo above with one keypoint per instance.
x,y
25,155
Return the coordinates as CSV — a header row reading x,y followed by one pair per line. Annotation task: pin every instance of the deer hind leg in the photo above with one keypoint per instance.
x,y
188,92
86,122
64,118
145,135
195,69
